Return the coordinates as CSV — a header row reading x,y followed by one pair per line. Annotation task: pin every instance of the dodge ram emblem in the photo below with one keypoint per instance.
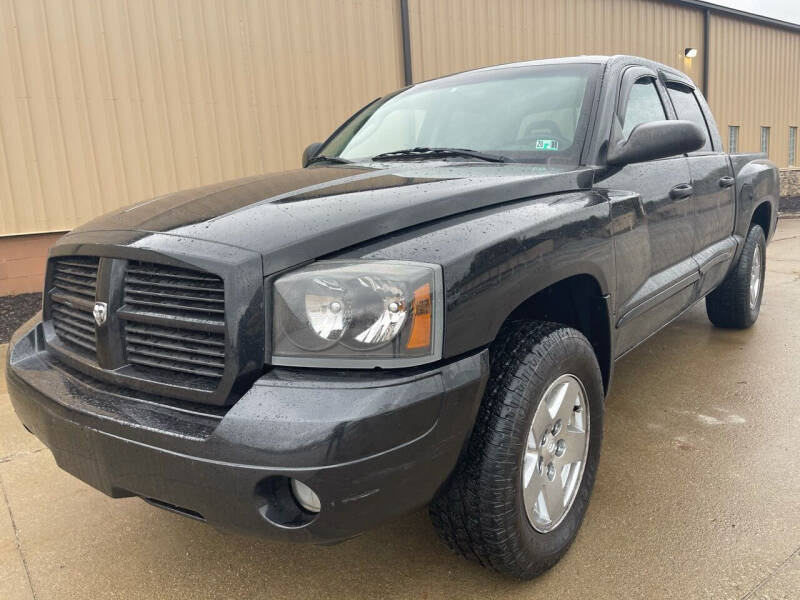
x,y
100,312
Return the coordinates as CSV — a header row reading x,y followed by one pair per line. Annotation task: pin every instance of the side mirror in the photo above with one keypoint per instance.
x,y
309,152
657,139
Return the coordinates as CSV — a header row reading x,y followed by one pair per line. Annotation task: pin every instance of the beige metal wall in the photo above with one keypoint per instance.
x,y
754,81
105,103
455,35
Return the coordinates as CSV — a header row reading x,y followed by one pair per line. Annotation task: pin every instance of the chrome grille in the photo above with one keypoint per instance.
x,y
74,283
174,321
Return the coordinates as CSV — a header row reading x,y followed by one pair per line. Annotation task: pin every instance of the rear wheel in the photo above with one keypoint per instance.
x,y
736,303
518,496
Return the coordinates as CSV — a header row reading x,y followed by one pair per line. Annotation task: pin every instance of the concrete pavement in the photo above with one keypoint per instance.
x,y
697,496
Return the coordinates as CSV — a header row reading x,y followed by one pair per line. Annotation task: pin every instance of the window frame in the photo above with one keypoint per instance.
x,y
792,146
765,129
692,91
630,77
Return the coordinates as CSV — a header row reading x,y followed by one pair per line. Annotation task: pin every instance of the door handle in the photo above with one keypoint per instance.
x,y
681,191
726,181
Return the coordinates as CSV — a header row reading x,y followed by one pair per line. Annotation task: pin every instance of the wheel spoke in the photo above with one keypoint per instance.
x,y
529,465
553,494
571,395
556,400
539,426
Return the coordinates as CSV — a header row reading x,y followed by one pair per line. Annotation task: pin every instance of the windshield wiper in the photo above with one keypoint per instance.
x,y
422,152
331,159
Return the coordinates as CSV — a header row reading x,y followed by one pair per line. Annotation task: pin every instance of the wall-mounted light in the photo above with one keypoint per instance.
x,y
690,52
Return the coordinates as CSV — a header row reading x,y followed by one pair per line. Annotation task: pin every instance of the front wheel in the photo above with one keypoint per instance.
x,y
736,303
517,497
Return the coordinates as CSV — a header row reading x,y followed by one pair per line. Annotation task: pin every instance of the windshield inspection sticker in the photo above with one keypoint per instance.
x,y
547,144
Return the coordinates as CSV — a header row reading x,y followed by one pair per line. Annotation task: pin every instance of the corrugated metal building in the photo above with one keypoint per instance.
x,y
105,103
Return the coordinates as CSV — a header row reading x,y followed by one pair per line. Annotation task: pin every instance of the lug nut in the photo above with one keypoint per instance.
x,y
557,427
561,447
551,471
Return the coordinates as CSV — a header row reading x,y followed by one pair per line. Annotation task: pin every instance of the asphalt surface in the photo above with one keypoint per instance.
x,y
697,496
15,310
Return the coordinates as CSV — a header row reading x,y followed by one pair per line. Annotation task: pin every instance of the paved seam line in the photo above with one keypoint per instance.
x,y
16,539
791,237
10,457
775,571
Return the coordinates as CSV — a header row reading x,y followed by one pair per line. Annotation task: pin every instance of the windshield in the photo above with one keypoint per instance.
x,y
528,114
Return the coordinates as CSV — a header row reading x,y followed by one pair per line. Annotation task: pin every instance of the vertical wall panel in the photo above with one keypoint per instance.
x,y
108,102
455,35
754,75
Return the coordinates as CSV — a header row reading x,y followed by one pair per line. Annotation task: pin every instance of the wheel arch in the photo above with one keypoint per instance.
x,y
577,301
762,216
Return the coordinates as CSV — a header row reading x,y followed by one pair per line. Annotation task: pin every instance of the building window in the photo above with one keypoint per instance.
x,y
765,140
792,146
733,139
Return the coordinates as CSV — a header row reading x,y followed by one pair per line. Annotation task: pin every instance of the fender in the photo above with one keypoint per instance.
x,y
496,259
757,183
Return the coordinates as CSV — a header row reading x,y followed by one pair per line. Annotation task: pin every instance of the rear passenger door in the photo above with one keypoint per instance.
x,y
712,181
655,269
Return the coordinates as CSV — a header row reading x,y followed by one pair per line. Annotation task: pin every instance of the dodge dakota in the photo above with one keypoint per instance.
x,y
426,314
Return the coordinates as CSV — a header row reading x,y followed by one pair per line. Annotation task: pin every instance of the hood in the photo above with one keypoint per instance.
x,y
299,215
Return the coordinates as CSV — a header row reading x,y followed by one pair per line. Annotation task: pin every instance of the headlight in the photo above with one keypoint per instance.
x,y
358,313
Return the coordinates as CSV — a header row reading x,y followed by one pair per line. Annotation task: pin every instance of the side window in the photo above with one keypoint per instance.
x,y
687,109
644,106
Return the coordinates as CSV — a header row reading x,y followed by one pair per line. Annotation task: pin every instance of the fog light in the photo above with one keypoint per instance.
x,y
305,496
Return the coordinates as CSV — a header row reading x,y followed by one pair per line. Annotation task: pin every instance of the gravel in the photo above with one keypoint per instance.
x,y
15,310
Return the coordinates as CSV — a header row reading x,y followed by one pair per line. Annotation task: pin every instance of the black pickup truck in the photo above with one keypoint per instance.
x,y
427,313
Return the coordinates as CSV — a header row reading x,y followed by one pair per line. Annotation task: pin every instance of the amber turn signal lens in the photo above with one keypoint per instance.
x,y
421,326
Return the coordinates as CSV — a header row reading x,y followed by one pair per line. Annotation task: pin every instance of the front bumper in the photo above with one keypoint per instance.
x,y
373,445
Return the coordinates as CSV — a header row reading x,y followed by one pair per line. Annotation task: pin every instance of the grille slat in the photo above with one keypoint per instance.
x,y
173,305
83,272
172,297
74,286
156,296
162,271
165,345
170,334
74,319
158,365
177,357
172,285
74,332
78,341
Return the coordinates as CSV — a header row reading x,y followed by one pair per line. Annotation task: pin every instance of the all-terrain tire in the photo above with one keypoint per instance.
x,y
731,305
480,511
